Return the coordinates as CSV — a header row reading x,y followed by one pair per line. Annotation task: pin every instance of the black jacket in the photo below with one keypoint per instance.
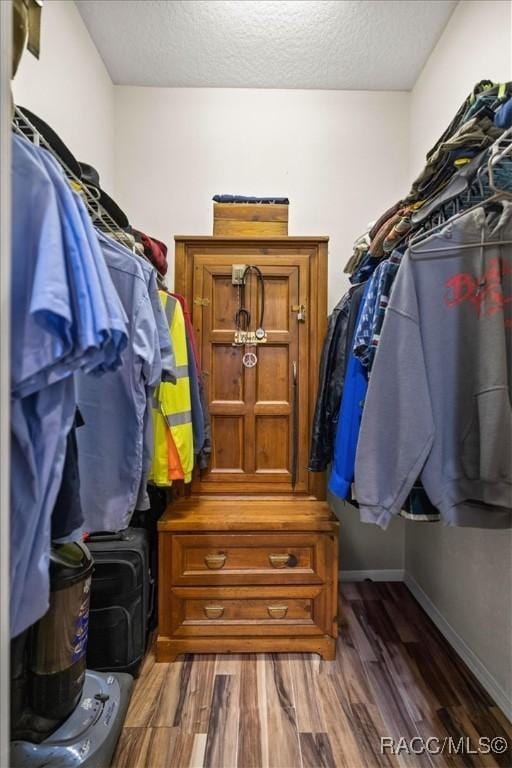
x,y
330,386
335,352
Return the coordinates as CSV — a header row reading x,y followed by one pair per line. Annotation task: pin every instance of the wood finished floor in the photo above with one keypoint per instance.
x,y
394,675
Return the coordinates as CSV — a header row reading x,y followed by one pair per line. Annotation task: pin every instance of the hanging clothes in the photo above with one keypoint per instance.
x,y
330,387
335,355
167,367
367,335
64,317
202,439
451,181
111,443
347,433
172,407
164,467
438,404
67,515
154,250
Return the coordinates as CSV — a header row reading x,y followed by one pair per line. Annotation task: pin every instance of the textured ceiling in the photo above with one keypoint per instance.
x,y
346,44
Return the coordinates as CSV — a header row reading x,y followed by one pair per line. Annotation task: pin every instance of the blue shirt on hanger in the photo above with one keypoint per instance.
x,y
98,323
65,314
41,414
41,307
110,443
100,319
117,319
164,365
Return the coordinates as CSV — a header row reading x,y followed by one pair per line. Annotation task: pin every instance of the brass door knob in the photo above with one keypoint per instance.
x,y
279,561
214,611
277,611
214,562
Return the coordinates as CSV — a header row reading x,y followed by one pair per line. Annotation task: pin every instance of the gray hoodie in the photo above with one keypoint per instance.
x,y
439,398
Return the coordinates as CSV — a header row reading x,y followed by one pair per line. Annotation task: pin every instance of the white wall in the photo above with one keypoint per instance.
x,y
339,156
475,45
466,574
70,88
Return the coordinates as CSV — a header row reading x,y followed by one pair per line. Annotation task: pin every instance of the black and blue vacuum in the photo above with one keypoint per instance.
x,y
63,715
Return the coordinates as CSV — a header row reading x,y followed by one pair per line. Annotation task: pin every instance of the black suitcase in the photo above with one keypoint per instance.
x,y
122,593
148,520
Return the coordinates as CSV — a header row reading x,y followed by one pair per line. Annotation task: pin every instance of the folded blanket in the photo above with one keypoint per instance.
x,y
244,199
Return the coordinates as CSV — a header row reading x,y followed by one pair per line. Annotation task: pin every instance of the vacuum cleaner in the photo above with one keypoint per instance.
x,y
62,715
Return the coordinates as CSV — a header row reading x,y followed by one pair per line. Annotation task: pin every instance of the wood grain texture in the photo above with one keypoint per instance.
x,y
200,514
229,227
316,751
222,738
251,408
250,219
394,676
222,589
254,404
197,699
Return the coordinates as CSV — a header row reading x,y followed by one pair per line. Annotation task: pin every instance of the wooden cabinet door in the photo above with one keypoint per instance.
x,y
259,415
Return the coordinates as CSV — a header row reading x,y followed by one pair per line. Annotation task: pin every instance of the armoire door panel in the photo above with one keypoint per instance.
x,y
221,303
228,443
273,444
273,373
278,301
263,411
274,408
226,379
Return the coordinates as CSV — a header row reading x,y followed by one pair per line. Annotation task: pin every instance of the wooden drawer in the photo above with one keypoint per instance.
x,y
303,610
216,559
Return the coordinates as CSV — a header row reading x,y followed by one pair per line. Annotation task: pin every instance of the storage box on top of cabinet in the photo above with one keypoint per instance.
x,y
259,219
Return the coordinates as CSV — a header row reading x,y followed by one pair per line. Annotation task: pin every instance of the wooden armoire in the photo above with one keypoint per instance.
x,y
249,561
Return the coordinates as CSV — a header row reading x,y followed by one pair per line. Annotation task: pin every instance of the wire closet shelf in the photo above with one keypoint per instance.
x,y
101,219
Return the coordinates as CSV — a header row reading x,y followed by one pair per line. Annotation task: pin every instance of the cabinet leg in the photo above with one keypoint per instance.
x,y
328,652
165,652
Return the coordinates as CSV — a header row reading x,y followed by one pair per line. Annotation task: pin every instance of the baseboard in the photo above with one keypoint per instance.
x,y
387,574
493,688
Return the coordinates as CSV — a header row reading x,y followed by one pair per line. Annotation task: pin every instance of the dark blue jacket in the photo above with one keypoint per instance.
x,y
349,422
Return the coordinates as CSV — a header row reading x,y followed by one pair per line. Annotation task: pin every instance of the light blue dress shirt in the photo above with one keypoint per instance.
x,y
101,321
164,366
60,321
41,338
110,444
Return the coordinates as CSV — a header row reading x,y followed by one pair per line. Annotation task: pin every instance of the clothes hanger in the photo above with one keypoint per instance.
x,y
102,220
500,194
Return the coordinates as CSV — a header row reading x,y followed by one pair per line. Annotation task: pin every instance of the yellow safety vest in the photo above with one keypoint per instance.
x,y
172,408
159,474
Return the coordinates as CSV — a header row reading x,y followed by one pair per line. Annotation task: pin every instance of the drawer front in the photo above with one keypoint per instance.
x,y
289,558
250,611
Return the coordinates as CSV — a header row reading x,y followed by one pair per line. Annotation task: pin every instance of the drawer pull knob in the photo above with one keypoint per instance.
x,y
214,562
279,561
277,611
214,611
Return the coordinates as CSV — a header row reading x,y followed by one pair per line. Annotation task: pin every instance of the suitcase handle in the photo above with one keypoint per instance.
x,y
152,592
107,536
